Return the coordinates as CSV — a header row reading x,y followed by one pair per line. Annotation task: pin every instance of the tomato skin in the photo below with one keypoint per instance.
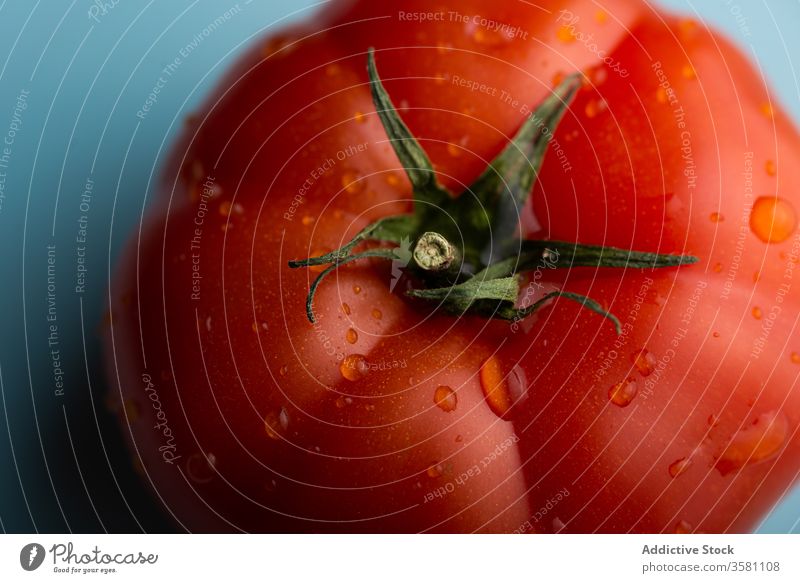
x,y
239,373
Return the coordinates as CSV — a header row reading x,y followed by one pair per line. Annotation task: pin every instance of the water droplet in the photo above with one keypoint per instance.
x,y
377,314
346,309
661,95
392,179
500,390
645,362
356,289
683,527
770,167
200,467
757,313
766,110
352,183
558,525
757,442
598,75
443,47
342,402
278,46
595,107
208,324
795,358
459,438
445,398
713,420
772,219
351,336
360,117
601,16
353,367
274,421
283,418
623,393
715,334
225,208
716,217
717,268
688,72
453,150
678,467
564,34
688,27
307,220
333,70
284,370
558,78
435,470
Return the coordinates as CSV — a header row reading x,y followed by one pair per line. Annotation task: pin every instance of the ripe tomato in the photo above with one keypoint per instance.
x,y
389,415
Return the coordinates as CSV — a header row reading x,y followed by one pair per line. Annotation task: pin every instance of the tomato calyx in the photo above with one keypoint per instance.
x,y
481,273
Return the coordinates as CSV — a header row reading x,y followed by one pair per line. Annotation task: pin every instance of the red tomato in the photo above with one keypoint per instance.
x,y
388,415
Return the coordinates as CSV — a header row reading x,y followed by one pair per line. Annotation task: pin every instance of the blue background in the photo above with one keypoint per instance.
x,y
62,464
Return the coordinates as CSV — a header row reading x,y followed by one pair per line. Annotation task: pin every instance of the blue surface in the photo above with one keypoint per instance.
x,y
85,80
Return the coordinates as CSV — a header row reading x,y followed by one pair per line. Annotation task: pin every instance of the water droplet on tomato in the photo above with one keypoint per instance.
x,y
598,76
713,420
307,220
459,438
772,219
443,47
717,268
502,391
678,467
342,402
770,167
346,309
351,336
445,398
757,313
645,362
283,419
200,467
565,34
284,370
453,150
766,110
356,289
435,470
360,117
688,27
392,179
377,314
683,527
601,16
352,183
688,72
757,442
715,334
353,367
716,217
795,358
225,208
273,424
661,95
622,393
595,107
